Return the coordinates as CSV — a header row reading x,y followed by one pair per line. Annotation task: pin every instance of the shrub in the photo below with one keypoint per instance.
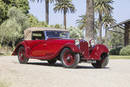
x,y
125,51
115,51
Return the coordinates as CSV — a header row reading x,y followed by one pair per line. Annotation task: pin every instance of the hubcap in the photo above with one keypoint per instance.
x,y
68,58
21,55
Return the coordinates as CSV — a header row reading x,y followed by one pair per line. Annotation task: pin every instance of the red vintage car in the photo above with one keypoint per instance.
x,y
54,44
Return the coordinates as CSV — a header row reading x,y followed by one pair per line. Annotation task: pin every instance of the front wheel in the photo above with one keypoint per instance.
x,y
101,63
69,59
21,56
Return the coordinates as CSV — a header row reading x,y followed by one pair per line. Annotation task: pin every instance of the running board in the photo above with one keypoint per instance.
x,y
88,61
91,61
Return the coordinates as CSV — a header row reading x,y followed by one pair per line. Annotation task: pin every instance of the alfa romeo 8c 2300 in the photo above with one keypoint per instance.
x,y
52,44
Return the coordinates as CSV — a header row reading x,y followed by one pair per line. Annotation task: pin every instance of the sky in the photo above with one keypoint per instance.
x,y
120,13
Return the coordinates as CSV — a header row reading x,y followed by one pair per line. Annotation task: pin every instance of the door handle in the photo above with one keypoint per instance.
x,y
44,44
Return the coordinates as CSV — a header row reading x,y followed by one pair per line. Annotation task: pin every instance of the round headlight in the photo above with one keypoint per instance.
x,y
76,42
93,42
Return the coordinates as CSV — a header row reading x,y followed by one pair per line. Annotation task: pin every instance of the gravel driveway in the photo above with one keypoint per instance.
x,y
40,74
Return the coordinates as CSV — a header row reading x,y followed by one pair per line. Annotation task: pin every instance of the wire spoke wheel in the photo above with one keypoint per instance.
x,y
21,56
101,63
69,59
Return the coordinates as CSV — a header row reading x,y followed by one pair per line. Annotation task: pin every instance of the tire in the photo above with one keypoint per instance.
x,y
21,56
53,61
102,63
69,59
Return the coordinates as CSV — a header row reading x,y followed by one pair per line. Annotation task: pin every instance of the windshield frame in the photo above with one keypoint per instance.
x,y
46,36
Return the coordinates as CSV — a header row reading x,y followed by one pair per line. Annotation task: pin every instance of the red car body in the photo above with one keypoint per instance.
x,y
51,48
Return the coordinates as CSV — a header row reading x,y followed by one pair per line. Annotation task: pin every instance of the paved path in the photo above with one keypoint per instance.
x,y
40,74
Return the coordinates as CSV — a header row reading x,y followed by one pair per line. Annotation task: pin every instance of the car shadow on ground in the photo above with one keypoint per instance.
x,y
60,65
45,64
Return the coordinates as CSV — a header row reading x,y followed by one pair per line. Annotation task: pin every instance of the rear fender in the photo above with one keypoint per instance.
x,y
23,43
97,51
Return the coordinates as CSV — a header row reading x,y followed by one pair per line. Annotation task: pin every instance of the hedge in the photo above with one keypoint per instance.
x,y
125,51
115,51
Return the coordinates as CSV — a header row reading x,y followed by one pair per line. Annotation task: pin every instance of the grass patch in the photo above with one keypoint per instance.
x,y
119,57
5,54
6,51
3,84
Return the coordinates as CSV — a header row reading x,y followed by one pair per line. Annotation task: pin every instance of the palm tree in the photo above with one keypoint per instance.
x,y
46,8
108,21
64,6
102,7
82,21
90,19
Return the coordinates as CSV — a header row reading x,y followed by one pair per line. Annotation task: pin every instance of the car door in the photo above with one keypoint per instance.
x,y
37,48
38,44
51,48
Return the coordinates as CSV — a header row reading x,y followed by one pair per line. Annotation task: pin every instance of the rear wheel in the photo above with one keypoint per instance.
x,y
101,63
21,56
69,59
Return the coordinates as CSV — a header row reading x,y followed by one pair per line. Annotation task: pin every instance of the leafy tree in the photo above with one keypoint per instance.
x,y
32,20
35,23
3,12
102,8
14,26
75,32
19,16
5,5
23,5
58,26
12,32
82,21
90,19
64,6
115,39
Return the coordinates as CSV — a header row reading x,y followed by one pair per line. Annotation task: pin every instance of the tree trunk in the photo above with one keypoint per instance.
x,y
106,39
100,32
126,34
65,19
100,27
47,11
90,20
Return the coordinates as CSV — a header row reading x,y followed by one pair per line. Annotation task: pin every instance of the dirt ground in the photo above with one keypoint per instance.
x,y
40,74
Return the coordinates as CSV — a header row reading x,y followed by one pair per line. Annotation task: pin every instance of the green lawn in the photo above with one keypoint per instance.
x,y
119,57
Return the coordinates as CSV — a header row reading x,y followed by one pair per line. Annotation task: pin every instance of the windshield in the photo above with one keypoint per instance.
x,y
57,34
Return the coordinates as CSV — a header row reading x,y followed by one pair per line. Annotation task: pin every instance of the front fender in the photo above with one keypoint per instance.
x,y
97,51
72,46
